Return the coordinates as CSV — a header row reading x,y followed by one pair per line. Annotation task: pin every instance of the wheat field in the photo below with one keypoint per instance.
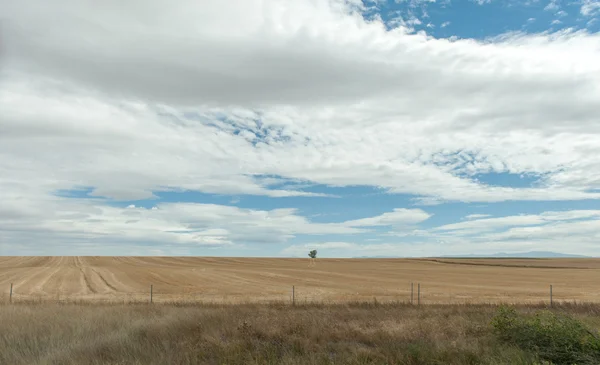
x,y
236,280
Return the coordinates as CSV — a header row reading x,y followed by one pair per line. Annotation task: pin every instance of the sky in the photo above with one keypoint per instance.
x,y
273,127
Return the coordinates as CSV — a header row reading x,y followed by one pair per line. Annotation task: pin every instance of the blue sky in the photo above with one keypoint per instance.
x,y
378,128
485,19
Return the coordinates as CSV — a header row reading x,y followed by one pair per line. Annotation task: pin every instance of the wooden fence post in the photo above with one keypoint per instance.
x,y
419,294
151,292
10,296
412,285
551,304
293,295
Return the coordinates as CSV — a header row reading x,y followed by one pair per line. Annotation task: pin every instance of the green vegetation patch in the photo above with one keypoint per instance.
x,y
552,336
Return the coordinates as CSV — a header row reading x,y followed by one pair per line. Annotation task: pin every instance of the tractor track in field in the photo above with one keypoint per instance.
x,y
109,285
86,281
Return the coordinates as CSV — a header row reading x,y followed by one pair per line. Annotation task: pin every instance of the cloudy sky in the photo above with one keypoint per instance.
x,y
270,127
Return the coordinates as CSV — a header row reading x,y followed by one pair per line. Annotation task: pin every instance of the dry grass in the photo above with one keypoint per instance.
x,y
235,280
179,333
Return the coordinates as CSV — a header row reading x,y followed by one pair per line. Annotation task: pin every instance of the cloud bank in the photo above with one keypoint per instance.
x,y
135,98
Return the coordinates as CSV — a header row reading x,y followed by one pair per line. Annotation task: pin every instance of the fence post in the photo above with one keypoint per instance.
x,y
411,292
293,295
151,293
551,304
10,296
419,294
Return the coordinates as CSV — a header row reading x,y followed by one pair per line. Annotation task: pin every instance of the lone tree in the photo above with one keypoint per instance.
x,y
312,256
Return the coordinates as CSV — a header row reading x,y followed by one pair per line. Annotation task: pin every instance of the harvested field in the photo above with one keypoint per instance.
x,y
234,280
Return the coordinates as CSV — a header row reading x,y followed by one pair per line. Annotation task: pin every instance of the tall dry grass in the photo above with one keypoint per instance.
x,y
179,333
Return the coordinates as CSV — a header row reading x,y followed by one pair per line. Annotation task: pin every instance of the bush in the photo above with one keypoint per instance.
x,y
557,338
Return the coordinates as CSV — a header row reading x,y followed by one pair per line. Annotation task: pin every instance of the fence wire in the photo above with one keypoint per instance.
x,y
412,293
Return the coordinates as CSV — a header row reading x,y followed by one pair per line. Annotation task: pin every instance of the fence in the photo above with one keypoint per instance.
x,y
415,297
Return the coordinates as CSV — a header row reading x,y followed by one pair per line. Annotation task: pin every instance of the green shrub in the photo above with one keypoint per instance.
x,y
557,338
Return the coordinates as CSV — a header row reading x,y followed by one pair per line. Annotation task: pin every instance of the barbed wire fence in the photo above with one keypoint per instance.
x,y
412,294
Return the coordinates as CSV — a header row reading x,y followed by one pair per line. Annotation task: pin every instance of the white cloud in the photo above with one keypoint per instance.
x,y
445,24
561,235
413,21
563,231
476,226
62,219
391,98
399,217
476,216
23,222
570,215
131,99
574,231
553,231
297,249
415,3
553,5
482,225
590,7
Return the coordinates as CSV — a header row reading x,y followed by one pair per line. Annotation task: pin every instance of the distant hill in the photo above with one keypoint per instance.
x,y
530,254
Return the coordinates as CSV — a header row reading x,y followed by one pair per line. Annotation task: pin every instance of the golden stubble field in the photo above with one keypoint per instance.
x,y
232,280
